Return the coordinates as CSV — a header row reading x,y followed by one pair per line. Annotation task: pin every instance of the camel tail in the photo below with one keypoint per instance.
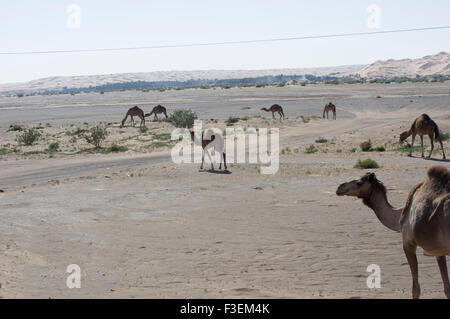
x,y
437,135
440,206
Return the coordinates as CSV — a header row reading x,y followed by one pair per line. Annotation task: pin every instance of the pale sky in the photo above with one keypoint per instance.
x,y
43,25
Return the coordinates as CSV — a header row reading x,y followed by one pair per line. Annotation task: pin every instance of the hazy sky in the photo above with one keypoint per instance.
x,y
43,25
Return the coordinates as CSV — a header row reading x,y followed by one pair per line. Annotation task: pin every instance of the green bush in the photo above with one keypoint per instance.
x,y
321,140
444,136
231,120
53,147
15,127
380,149
183,118
366,146
353,150
311,149
116,148
366,164
28,137
96,135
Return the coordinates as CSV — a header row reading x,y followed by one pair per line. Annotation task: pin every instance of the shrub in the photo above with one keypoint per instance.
x,y
143,129
366,164
366,146
28,137
15,127
114,148
311,149
339,151
444,136
380,149
96,135
53,147
353,150
231,120
183,118
321,140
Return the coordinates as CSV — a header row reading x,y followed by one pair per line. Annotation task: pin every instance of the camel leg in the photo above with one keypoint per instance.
x,y
334,115
421,143
442,148
132,121
432,145
224,161
442,262
203,158
273,115
410,252
412,144
156,117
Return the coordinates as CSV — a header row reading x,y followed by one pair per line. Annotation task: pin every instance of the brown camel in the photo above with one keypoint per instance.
x,y
423,125
159,109
134,111
275,108
329,107
424,220
205,144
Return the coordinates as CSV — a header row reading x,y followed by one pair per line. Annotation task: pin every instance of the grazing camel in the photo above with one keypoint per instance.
x,y
423,125
134,111
206,145
275,108
329,107
424,220
159,109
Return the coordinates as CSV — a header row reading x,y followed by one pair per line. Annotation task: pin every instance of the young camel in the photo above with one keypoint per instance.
x,y
206,145
275,108
134,111
329,107
424,220
423,125
159,109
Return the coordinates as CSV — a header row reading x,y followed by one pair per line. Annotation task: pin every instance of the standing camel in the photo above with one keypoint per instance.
x,y
424,220
159,109
134,111
206,145
329,107
423,125
275,108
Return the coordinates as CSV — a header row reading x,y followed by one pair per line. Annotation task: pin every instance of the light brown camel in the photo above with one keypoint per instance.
x,y
275,108
206,144
423,125
134,111
329,107
424,220
159,109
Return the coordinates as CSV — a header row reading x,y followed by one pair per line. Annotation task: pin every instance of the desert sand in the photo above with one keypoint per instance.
x,y
140,226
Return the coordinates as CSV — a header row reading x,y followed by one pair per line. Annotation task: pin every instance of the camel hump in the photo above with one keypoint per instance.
x,y
440,173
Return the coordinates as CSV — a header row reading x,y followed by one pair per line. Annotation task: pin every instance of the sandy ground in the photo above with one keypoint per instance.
x,y
140,226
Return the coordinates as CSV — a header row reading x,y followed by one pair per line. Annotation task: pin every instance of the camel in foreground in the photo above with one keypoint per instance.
x,y
159,109
206,145
329,107
423,125
424,220
275,108
134,111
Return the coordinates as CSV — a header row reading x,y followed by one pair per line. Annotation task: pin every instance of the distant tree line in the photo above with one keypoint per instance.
x,y
261,81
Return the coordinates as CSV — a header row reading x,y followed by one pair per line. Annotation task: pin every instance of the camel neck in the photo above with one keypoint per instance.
x,y
387,215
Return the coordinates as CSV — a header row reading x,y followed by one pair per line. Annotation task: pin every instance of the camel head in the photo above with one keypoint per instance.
x,y
361,188
403,136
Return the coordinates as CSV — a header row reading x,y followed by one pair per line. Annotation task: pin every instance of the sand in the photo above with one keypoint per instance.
x,y
140,226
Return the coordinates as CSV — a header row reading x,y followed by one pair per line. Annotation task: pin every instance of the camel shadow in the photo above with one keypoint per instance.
x,y
213,171
441,160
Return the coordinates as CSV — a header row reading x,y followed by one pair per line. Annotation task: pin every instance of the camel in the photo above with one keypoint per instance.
x,y
134,111
206,145
424,220
423,125
275,108
159,109
329,107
